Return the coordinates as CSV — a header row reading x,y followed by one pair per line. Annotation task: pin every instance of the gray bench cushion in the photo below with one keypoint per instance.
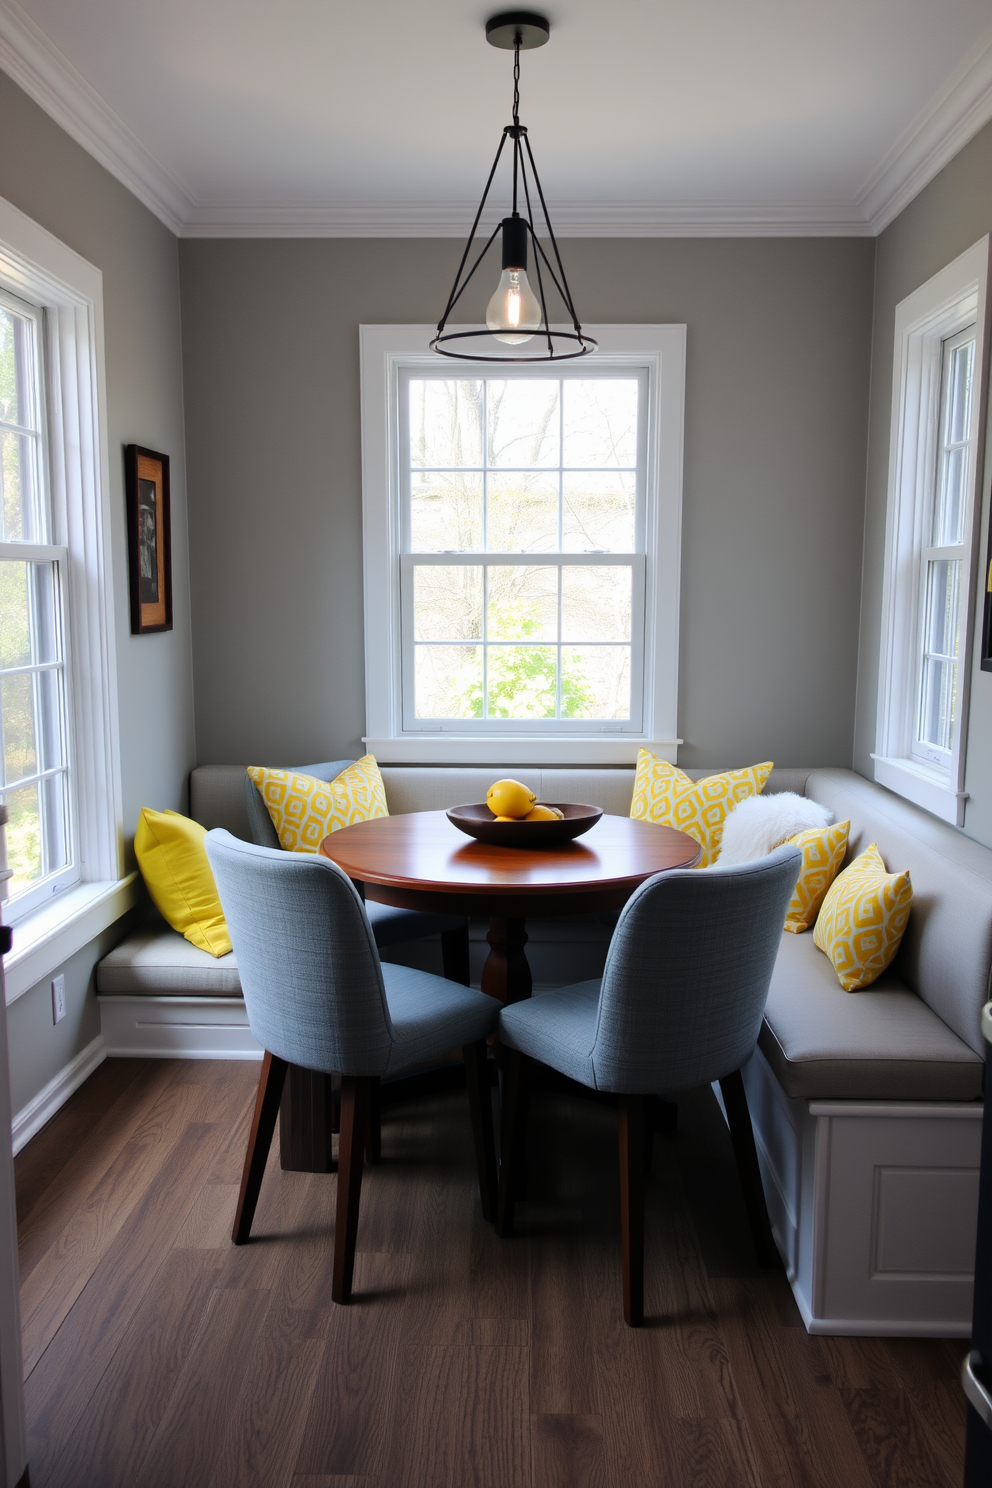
x,y
880,1044
157,961
217,796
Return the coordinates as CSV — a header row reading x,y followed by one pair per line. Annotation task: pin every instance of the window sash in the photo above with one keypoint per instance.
x,y
936,683
57,817
409,562
552,558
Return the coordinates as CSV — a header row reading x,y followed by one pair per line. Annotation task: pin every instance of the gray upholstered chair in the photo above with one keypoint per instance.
x,y
679,1005
318,996
389,926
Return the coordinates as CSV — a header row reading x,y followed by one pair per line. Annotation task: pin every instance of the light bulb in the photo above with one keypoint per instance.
x,y
514,307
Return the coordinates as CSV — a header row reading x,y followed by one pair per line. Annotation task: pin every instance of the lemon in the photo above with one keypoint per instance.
x,y
542,813
509,798
506,818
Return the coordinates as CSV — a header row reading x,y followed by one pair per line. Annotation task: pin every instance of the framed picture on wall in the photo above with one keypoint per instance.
x,y
149,539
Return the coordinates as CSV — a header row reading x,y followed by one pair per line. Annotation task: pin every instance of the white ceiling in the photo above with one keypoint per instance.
x,y
646,116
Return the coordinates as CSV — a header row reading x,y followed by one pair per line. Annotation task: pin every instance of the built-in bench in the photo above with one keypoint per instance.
x,y
866,1106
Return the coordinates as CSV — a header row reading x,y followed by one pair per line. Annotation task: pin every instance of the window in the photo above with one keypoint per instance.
x,y
929,592
34,774
59,758
521,550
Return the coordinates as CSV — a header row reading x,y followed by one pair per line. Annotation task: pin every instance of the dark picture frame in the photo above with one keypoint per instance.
x,y
149,539
987,611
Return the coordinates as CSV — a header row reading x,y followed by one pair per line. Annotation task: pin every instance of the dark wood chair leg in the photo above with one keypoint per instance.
x,y
513,1131
355,1090
480,1105
263,1124
373,1130
630,1127
742,1136
455,955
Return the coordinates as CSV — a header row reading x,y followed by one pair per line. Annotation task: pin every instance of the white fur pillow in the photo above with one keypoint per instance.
x,y
758,824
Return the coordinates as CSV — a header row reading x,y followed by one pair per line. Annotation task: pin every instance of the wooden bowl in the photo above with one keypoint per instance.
x,y
479,822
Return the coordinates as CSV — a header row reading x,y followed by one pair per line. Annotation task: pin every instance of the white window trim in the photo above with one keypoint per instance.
x,y
934,311
40,268
384,348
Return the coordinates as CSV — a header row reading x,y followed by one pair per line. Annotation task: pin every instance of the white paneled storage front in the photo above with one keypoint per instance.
x,y
874,1207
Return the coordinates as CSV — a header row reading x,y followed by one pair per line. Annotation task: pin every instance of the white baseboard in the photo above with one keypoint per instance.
x,y
139,1027
42,1108
873,1206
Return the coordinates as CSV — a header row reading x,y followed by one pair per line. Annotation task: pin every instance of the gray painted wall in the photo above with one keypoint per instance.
x,y
776,429
953,212
52,179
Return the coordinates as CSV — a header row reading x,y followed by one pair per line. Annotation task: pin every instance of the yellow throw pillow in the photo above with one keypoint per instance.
x,y
662,793
173,862
304,810
823,852
863,918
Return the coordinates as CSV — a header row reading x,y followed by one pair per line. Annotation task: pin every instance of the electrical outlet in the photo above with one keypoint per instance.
x,y
58,999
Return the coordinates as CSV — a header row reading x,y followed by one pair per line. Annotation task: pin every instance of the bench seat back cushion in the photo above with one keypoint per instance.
x,y
880,1044
946,952
217,796
156,961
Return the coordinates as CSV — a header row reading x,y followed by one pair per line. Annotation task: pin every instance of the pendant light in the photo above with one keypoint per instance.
x,y
517,313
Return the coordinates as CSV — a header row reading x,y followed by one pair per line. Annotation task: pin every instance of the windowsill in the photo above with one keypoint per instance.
x,y
923,787
48,937
444,748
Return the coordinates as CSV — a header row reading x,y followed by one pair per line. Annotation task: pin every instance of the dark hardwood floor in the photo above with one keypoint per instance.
x,y
159,1356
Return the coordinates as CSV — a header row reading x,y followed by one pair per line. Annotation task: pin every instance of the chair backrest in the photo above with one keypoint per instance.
x,y
687,974
308,962
263,832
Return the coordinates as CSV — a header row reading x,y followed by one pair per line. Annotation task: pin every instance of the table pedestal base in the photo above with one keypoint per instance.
x,y
307,1120
506,974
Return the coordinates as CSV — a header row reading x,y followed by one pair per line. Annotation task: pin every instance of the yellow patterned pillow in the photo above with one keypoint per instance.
x,y
304,810
662,793
863,918
823,852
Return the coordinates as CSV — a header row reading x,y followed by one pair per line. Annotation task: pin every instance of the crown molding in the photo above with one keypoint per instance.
x,y
49,78
961,108
448,219
936,135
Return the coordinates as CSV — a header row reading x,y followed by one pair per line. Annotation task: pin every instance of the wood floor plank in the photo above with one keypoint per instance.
x,y
67,1374
190,1435
208,1224
896,1448
347,1428
40,1228
715,1452
111,1438
265,1427
47,1155
491,1442
801,1432
323,1481
567,1452
186,1359
52,1286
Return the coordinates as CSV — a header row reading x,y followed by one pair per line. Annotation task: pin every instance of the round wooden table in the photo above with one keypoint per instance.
x,y
420,861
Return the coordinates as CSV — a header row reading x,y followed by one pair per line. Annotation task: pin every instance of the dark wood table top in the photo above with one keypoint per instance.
x,y
423,853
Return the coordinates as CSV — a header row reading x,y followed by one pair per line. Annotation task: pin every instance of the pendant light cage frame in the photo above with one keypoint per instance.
x,y
521,30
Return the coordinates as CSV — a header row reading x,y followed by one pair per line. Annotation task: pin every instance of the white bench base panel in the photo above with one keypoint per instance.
x,y
176,1027
874,1207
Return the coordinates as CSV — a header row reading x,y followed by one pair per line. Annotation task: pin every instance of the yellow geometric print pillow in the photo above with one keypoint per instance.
x,y
305,810
863,918
823,852
662,793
